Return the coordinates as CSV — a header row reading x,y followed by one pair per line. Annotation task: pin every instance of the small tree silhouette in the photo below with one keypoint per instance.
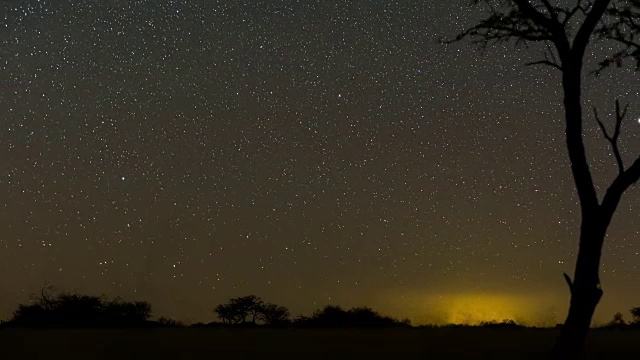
x,y
617,321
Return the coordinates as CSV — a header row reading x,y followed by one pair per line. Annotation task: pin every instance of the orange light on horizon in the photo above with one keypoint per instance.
x,y
476,308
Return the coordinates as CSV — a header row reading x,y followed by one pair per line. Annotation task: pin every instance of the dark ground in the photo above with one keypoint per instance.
x,y
193,343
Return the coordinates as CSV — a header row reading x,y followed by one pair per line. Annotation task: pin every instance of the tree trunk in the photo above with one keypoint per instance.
x,y
571,344
585,295
585,288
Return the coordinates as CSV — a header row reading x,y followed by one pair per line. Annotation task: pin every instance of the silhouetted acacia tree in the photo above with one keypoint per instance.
x,y
567,30
274,315
253,305
240,309
226,314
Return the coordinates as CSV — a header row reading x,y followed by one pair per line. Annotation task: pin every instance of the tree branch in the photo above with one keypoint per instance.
x,y
588,26
502,27
567,278
520,21
551,24
550,59
622,27
613,139
536,16
544,62
634,172
570,13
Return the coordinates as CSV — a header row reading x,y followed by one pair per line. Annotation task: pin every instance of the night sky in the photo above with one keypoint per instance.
x,y
313,152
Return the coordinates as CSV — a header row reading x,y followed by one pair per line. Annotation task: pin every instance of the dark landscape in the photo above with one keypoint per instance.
x,y
390,179
418,343
74,326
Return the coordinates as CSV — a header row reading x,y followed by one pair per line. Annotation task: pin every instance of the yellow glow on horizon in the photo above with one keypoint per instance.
x,y
475,308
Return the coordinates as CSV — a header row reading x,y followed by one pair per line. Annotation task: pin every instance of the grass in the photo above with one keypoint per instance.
x,y
189,343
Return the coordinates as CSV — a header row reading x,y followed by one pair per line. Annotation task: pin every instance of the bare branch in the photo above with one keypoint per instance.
x,y
619,186
536,16
550,59
544,62
502,27
550,54
620,115
613,139
570,13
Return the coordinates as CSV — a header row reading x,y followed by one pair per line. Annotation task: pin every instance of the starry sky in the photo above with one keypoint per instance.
x,y
313,152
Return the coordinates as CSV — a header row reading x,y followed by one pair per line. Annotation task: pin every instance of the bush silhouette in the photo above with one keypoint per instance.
x,y
616,322
336,316
505,323
165,322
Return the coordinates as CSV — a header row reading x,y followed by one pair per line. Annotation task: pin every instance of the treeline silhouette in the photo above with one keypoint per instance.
x,y
72,310
251,310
